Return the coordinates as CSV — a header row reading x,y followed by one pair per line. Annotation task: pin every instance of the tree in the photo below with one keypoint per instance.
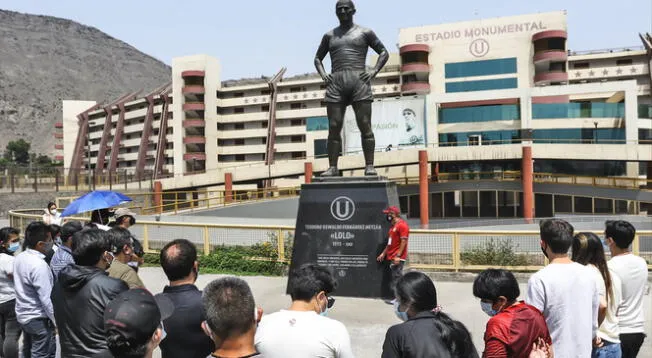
x,y
18,151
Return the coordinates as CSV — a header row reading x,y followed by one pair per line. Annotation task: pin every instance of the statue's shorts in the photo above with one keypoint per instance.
x,y
347,88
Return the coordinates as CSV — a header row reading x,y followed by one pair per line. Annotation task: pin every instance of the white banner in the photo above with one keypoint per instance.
x,y
396,124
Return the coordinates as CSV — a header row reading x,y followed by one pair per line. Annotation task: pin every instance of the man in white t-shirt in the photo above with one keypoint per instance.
x,y
303,330
565,292
632,271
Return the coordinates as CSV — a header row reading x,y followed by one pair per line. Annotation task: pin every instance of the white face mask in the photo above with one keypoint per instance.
x,y
53,211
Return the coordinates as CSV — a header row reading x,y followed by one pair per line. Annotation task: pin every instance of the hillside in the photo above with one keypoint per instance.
x,y
44,60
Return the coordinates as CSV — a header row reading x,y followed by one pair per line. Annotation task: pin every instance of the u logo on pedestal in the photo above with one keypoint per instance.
x,y
342,208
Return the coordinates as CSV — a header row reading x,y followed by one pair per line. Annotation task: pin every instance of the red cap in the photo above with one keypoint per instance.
x,y
392,210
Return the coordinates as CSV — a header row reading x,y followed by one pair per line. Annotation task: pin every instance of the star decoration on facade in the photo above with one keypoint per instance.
x,y
395,88
578,74
246,101
285,97
295,96
305,95
255,100
605,72
633,70
591,73
619,71
384,89
314,95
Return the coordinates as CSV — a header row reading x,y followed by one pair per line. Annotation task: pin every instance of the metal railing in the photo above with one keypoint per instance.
x,y
450,250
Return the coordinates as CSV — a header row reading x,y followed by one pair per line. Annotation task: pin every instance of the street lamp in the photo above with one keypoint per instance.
x,y
595,133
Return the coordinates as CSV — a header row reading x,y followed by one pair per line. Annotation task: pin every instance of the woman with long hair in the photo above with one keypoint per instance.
x,y
426,331
588,250
9,328
51,215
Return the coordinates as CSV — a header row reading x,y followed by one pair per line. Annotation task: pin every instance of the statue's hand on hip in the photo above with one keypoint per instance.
x,y
328,78
367,76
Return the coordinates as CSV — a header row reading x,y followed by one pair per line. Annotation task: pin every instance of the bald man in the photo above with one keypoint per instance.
x,y
185,337
349,82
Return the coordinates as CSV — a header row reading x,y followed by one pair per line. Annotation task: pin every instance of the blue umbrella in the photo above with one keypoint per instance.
x,y
99,199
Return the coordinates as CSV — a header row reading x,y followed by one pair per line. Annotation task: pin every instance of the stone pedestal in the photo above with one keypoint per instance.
x,y
340,225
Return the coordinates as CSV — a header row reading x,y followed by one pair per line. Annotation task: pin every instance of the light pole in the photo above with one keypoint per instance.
x,y
595,133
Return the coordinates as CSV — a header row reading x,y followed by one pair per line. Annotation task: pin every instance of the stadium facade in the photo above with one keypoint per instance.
x,y
493,87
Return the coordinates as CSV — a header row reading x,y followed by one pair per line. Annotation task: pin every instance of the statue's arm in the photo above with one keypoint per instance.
x,y
319,57
377,45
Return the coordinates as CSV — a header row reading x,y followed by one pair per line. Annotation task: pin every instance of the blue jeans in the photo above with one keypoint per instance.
x,y
609,350
39,340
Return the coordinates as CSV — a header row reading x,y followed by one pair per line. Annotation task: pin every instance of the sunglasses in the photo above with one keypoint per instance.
x,y
331,301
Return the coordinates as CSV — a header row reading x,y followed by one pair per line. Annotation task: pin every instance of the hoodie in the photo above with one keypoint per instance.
x,y
79,297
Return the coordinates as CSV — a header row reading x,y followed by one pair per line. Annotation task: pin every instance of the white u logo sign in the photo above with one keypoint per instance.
x,y
342,208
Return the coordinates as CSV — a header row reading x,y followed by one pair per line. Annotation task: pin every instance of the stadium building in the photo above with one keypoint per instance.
x,y
481,96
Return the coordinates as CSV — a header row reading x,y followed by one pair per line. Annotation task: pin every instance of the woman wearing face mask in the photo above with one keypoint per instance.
x,y
588,250
52,216
425,331
9,328
514,326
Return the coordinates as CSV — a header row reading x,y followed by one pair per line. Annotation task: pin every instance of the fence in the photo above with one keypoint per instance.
x,y
450,250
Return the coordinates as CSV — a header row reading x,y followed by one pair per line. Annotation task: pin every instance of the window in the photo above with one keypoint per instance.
x,y
624,62
479,114
322,87
478,138
264,124
237,110
481,85
295,106
322,104
239,141
321,148
238,94
577,110
298,155
239,126
581,65
239,157
480,68
265,92
297,139
317,124
295,89
577,135
296,122
264,108
391,81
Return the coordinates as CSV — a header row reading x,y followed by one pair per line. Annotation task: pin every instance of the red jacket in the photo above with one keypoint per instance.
x,y
512,331
398,231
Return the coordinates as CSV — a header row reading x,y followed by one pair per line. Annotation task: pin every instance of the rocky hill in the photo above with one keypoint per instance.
x,y
44,60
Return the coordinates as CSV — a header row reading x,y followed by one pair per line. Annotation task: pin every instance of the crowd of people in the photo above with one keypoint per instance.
x,y
77,286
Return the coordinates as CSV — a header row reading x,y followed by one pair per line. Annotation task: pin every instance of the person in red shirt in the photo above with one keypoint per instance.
x,y
395,253
514,326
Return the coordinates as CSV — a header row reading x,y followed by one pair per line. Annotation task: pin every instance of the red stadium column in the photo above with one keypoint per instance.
x,y
527,171
158,196
228,188
307,170
434,172
423,188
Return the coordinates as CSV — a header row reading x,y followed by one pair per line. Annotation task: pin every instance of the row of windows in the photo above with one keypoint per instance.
x,y
577,110
316,124
645,111
480,114
566,136
481,85
557,166
480,68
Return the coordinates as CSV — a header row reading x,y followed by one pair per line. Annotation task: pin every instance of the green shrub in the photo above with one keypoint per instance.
x,y
495,253
259,259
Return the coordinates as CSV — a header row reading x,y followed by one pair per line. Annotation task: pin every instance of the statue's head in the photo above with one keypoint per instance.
x,y
344,9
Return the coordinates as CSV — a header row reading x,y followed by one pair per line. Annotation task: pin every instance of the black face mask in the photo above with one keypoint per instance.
x,y
390,218
544,252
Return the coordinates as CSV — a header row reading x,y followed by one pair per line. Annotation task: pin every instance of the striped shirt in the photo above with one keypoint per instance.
x,y
61,259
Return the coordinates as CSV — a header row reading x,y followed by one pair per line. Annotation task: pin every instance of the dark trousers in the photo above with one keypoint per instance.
x,y
631,343
395,272
9,330
39,340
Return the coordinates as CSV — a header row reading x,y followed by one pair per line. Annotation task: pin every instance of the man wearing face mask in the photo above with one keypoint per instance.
x,y
185,336
514,325
395,253
81,294
122,249
305,324
33,282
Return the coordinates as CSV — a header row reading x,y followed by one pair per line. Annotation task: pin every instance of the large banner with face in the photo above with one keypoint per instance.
x,y
397,124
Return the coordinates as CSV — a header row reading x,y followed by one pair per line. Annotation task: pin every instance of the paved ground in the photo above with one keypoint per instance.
x,y
367,320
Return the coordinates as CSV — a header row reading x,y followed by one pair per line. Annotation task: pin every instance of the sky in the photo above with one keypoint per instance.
x,y
257,37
